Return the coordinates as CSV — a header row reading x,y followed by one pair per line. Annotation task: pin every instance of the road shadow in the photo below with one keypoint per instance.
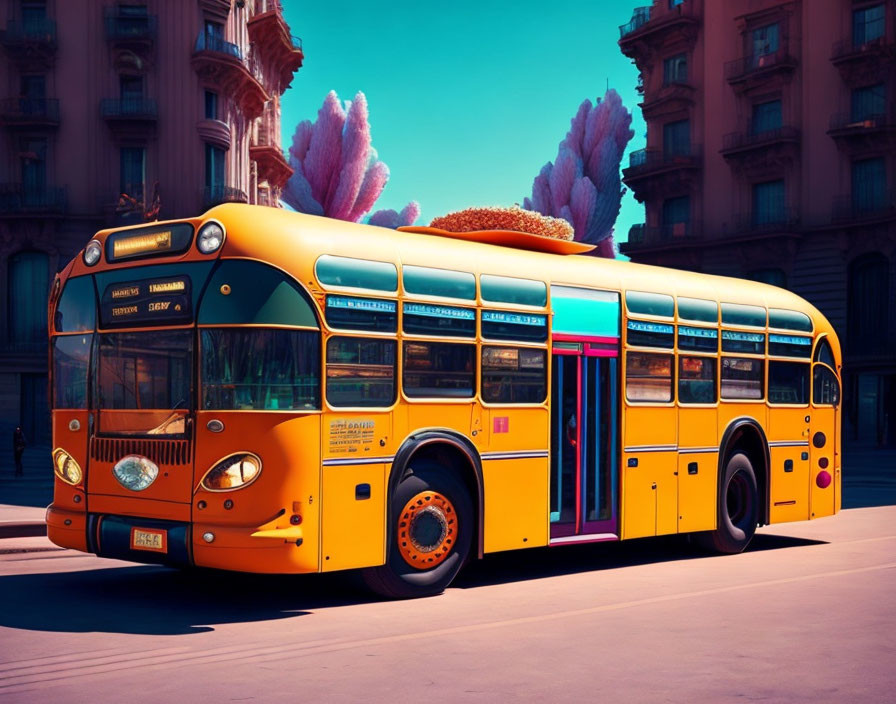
x,y
538,563
151,600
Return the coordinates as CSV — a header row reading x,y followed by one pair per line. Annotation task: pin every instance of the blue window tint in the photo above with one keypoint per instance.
x,y
362,314
698,339
650,334
356,273
425,319
737,314
76,310
439,282
789,320
698,309
749,342
502,325
650,303
504,289
580,311
789,346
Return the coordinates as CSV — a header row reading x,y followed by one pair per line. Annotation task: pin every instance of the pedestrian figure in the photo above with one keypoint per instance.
x,y
18,448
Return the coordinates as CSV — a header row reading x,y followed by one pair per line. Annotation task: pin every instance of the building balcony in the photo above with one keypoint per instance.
x,y
762,148
30,44
773,222
862,208
652,171
862,133
30,113
657,26
265,151
644,238
270,34
17,199
216,195
859,62
220,64
759,67
674,96
129,31
130,117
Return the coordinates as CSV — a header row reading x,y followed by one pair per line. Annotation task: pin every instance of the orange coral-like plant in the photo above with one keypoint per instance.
x,y
514,218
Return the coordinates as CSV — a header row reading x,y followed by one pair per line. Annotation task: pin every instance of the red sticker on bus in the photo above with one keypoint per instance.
x,y
501,424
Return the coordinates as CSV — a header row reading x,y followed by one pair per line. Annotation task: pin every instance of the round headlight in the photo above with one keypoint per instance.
x,y
232,472
211,237
66,468
135,472
92,252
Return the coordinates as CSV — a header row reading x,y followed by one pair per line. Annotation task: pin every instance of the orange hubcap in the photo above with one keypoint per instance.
x,y
427,529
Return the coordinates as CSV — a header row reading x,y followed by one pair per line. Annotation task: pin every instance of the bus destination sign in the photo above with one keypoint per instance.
x,y
149,302
142,244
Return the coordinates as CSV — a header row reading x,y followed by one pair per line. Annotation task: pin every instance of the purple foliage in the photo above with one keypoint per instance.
x,y
393,219
583,185
336,172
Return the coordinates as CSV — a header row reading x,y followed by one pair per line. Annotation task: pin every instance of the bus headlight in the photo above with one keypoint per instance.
x,y
66,468
135,472
211,237
92,252
233,472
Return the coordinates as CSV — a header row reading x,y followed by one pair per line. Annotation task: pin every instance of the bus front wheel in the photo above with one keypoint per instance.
x,y
738,510
430,533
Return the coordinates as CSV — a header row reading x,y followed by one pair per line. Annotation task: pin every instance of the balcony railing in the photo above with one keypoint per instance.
x,y
642,236
215,195
33,31
121,27
644,160
751,138
209,42
740,69
640,17
133,108
772,219
866,205
17,198
847,121
29,110
847,49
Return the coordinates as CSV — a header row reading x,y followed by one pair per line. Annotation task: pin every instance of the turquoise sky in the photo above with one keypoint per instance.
x,y
468,100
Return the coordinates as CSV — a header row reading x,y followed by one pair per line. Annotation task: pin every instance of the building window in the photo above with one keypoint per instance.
x,y
764,43
768,203
675,3
675,69
867,324
214,169
766,117
775,277
676,216
868,103
133,172
677,138
211,105
869,185
34,12
27,297
33,161
867,24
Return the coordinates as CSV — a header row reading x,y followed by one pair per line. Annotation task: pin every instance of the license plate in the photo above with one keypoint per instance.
x,y
146,539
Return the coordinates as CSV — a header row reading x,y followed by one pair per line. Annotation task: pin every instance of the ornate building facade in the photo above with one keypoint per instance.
x,y
119,112
771,155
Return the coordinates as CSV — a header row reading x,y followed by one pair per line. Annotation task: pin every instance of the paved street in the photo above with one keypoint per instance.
x,y
807,614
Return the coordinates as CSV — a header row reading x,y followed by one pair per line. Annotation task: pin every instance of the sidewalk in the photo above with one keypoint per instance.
x,y
869,479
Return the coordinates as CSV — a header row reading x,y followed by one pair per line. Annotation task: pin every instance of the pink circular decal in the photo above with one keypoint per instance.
x,y
823,480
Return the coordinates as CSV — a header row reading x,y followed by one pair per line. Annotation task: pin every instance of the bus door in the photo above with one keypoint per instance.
x,y
824,434
584,415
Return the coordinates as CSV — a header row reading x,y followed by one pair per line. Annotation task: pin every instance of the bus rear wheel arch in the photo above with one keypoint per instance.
x,y
737,508
431,529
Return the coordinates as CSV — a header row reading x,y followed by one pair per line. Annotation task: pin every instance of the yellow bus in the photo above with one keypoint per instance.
x,y
265,391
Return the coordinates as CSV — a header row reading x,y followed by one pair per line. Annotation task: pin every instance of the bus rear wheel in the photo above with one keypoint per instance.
x,y
738,510
430,533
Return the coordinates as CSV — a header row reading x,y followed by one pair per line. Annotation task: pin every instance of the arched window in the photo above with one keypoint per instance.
x,y
29,282
868,303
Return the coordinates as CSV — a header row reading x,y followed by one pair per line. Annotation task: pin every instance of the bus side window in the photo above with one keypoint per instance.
x,y
825,387
360,372
742,378
788,382
648,377
696,379
514,375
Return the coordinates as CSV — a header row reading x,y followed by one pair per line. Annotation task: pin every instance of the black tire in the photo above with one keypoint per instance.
x,y
398,579
738,509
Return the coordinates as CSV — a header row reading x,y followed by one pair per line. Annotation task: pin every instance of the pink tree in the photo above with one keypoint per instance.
x,y
336,172
583,185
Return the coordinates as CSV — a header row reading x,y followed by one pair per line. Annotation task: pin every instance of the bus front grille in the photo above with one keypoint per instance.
x,y
161,452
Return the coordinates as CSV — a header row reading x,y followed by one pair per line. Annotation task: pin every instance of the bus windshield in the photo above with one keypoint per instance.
x,y
147,374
